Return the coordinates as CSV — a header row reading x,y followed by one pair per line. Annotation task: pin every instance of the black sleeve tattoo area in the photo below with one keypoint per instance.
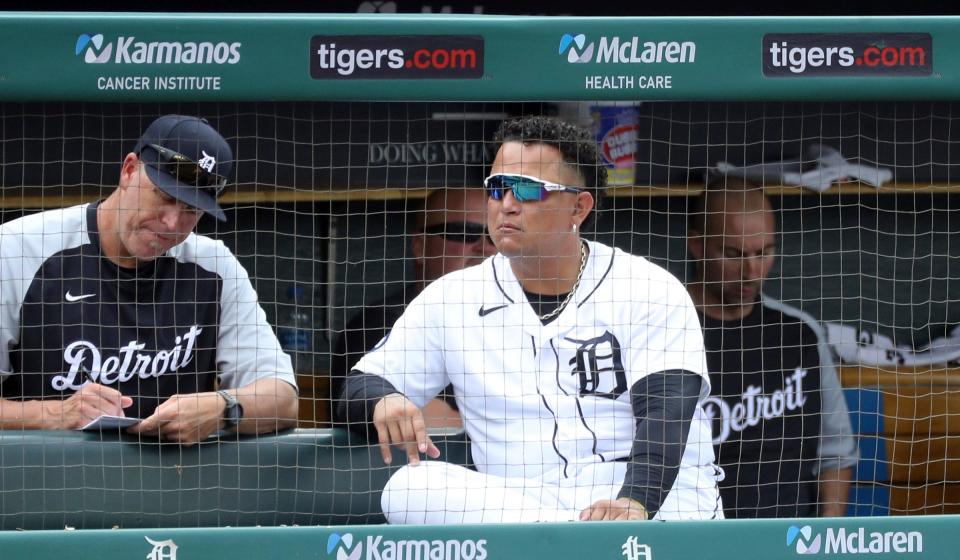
x,y
361,392
663,405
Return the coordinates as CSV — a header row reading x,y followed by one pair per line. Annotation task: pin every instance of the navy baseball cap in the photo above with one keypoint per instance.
x,y
188,160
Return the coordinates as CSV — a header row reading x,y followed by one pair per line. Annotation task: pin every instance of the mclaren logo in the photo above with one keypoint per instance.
x,y
803,540
625,50
844,540
573,45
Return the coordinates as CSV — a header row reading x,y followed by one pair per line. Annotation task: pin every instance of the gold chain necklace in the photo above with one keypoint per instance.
x,y
583,264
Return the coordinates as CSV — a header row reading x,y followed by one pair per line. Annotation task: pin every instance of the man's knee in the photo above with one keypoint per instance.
x,y
409,478
404,496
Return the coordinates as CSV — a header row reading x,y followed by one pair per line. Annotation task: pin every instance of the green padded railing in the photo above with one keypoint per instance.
x,y
52,480
170,502
933,537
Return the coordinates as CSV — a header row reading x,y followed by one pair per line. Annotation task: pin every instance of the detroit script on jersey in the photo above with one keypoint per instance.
x,y
170,326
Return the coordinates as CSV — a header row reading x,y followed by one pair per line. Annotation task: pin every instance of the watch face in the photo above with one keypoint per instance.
x,y
233,411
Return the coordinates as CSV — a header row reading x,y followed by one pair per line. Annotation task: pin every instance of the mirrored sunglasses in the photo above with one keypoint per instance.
x,y
460,232
187,171
524,187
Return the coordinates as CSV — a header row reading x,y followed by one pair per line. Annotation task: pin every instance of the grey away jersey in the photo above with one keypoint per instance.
x,y
549,401
170,326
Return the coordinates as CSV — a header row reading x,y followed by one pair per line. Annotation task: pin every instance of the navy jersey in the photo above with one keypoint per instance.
x,y
765,409
170,326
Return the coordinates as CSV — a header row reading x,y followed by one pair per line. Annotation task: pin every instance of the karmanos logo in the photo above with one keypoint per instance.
x,y
375,547
92,49
129,50
855,541
625,50
344,546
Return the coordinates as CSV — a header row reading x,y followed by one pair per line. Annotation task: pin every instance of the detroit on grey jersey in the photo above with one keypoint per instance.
x,y
549,402
777,411
169,326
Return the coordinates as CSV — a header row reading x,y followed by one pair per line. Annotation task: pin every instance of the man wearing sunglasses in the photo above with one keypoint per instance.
x,y
449,234
453,234
117,308
578,369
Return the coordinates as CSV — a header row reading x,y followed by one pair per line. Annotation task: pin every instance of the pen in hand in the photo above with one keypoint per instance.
x,y
87,378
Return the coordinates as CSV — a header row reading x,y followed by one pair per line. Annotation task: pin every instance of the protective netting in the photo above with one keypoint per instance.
x,y
327,214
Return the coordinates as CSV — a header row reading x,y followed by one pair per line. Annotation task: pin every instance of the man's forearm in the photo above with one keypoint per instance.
x,y
835,491
268,405
361,392
663,405
26,415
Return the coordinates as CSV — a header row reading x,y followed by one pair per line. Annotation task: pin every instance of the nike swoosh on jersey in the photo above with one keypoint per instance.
x,y
484,312
70,297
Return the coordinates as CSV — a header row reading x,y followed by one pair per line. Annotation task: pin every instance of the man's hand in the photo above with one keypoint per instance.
x,y
88,403
400,422
621,509
187,418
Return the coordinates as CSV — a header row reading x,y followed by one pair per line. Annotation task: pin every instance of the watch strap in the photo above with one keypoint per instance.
x,y
232,411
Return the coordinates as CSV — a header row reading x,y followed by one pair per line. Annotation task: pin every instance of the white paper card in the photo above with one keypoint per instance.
x,y
111,423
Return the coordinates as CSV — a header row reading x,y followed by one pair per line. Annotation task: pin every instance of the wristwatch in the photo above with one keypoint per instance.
x,y
233,411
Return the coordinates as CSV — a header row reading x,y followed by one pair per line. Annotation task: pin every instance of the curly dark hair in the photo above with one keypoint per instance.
x,y
576,144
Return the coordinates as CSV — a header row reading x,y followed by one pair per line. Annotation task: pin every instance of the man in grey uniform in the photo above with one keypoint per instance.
x,y
781,427
117,308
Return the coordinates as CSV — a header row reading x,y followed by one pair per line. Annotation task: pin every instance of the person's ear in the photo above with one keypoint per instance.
x,y
130,171
416,245
695,244
582,207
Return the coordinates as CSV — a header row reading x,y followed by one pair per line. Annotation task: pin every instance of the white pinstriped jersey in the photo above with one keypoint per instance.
x,y
545,401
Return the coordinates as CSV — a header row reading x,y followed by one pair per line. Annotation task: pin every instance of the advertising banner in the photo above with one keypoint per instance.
x,y
433,57
771,539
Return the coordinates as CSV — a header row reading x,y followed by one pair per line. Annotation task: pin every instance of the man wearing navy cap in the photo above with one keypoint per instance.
x,y
117,308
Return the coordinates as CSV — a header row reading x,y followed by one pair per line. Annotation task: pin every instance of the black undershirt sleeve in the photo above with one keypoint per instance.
x,y
361,392
663,405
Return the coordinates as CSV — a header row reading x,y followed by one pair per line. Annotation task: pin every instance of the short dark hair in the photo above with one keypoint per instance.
x,y
697,213
577,146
